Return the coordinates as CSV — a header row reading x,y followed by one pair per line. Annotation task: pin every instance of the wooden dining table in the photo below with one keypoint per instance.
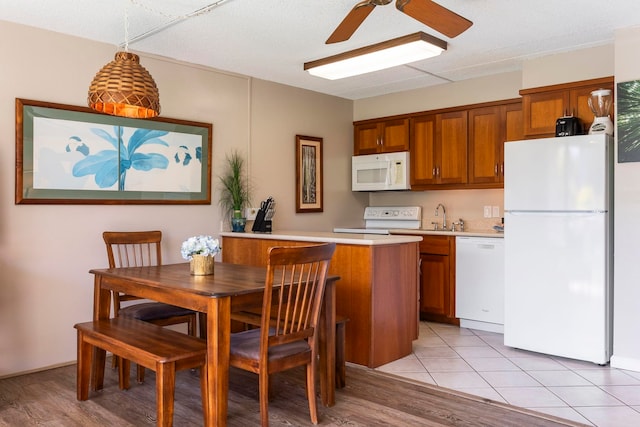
x,y
232,287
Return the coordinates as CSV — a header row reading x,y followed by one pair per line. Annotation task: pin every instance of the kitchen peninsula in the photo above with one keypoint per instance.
x,y
377,290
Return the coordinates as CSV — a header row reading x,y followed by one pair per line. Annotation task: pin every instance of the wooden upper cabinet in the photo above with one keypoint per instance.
x,y
541,110
489,128
485,144
514,122
451,134
544,105
385,136
366,138
423,150
439,148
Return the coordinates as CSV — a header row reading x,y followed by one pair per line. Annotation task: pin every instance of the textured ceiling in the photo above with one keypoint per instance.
x,y
271,39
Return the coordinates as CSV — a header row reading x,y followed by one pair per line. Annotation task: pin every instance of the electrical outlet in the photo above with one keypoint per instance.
x,y
251,213
487,211
495,211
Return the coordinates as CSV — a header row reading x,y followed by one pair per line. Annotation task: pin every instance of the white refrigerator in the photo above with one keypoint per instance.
x,y
558,250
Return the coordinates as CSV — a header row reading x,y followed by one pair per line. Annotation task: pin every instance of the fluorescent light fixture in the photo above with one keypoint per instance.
x,y
391,53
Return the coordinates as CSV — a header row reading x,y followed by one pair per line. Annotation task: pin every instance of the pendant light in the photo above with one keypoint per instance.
x,y
123,87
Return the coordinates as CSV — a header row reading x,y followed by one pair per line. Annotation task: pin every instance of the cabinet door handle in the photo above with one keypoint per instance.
x,y
433,172
495,169
501,168
437,170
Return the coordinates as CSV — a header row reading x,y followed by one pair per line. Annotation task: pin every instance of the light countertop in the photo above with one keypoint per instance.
x,y
469,233
327,236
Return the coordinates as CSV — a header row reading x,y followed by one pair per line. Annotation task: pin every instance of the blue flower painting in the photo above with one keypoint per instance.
x,y
111,166
105,157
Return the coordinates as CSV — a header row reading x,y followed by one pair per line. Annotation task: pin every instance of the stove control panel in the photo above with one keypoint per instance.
x,y
406,213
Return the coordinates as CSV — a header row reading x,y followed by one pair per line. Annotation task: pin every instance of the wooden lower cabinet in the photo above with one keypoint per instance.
x,y
377,291
437,279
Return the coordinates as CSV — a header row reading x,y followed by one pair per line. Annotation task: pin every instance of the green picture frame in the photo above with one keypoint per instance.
x,y
73,155
628,121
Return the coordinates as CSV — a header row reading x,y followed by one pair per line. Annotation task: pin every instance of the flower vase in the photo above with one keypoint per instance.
x,y
202,265
238,222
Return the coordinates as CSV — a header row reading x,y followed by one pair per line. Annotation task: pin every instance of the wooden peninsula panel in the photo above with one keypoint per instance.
x,y
377,291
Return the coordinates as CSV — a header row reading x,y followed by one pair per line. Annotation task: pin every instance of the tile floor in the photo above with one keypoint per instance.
x,y
477,362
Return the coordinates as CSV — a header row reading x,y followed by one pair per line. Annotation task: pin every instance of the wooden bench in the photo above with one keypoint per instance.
x,y
251,318
154,347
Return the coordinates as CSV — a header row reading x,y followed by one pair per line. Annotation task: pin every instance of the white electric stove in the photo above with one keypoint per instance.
x,y
381,219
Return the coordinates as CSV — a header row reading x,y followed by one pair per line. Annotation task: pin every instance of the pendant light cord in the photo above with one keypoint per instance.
x,y
126,25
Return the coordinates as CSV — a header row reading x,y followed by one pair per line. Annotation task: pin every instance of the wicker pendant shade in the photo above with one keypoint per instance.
x,y
124,88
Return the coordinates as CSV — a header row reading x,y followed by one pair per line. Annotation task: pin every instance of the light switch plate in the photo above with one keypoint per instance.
x,y
487,211
250,213
496,211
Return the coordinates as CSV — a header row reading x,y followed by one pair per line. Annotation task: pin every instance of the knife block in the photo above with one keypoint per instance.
x,y
260,225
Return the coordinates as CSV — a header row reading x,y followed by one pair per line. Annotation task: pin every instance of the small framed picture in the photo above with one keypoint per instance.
x,y
309,197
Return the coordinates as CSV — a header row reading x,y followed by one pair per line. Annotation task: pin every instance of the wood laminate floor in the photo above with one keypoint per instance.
x,y
48,398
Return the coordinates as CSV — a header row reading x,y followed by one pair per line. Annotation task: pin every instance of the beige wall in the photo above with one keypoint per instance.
x,y
566,67
485,89
548,70
46,251
278,113
626,345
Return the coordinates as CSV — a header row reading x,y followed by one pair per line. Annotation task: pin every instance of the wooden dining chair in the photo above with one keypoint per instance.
x,y
138,249
287,338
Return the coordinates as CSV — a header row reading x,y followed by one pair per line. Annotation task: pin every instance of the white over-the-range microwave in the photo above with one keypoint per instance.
x,y
380,172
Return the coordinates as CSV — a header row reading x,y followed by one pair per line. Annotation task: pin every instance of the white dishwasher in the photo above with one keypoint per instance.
x,y
480,282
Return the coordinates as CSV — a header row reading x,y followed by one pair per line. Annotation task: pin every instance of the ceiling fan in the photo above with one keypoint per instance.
x,y
428,12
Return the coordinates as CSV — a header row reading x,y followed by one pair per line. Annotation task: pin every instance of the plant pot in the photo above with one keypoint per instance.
x,y
237,224
201,265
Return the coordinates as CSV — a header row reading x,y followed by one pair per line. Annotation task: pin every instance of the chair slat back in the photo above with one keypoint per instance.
x,y
294,288
132,249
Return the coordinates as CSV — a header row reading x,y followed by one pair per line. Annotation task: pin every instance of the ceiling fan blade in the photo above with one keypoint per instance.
x,y
435,16
351,22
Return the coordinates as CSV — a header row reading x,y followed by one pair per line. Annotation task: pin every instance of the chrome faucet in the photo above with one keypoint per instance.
x,y
444,215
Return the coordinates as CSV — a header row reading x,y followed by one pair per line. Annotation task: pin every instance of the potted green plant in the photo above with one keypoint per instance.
x,y
234,194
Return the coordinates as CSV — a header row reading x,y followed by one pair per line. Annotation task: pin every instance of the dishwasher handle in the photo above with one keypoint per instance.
x,y
482,243
488,246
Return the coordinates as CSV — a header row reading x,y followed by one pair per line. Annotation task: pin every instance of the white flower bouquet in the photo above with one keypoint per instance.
x,y
200,245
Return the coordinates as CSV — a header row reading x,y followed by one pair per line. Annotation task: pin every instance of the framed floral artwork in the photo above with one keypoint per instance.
x,y
73,155
309,194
